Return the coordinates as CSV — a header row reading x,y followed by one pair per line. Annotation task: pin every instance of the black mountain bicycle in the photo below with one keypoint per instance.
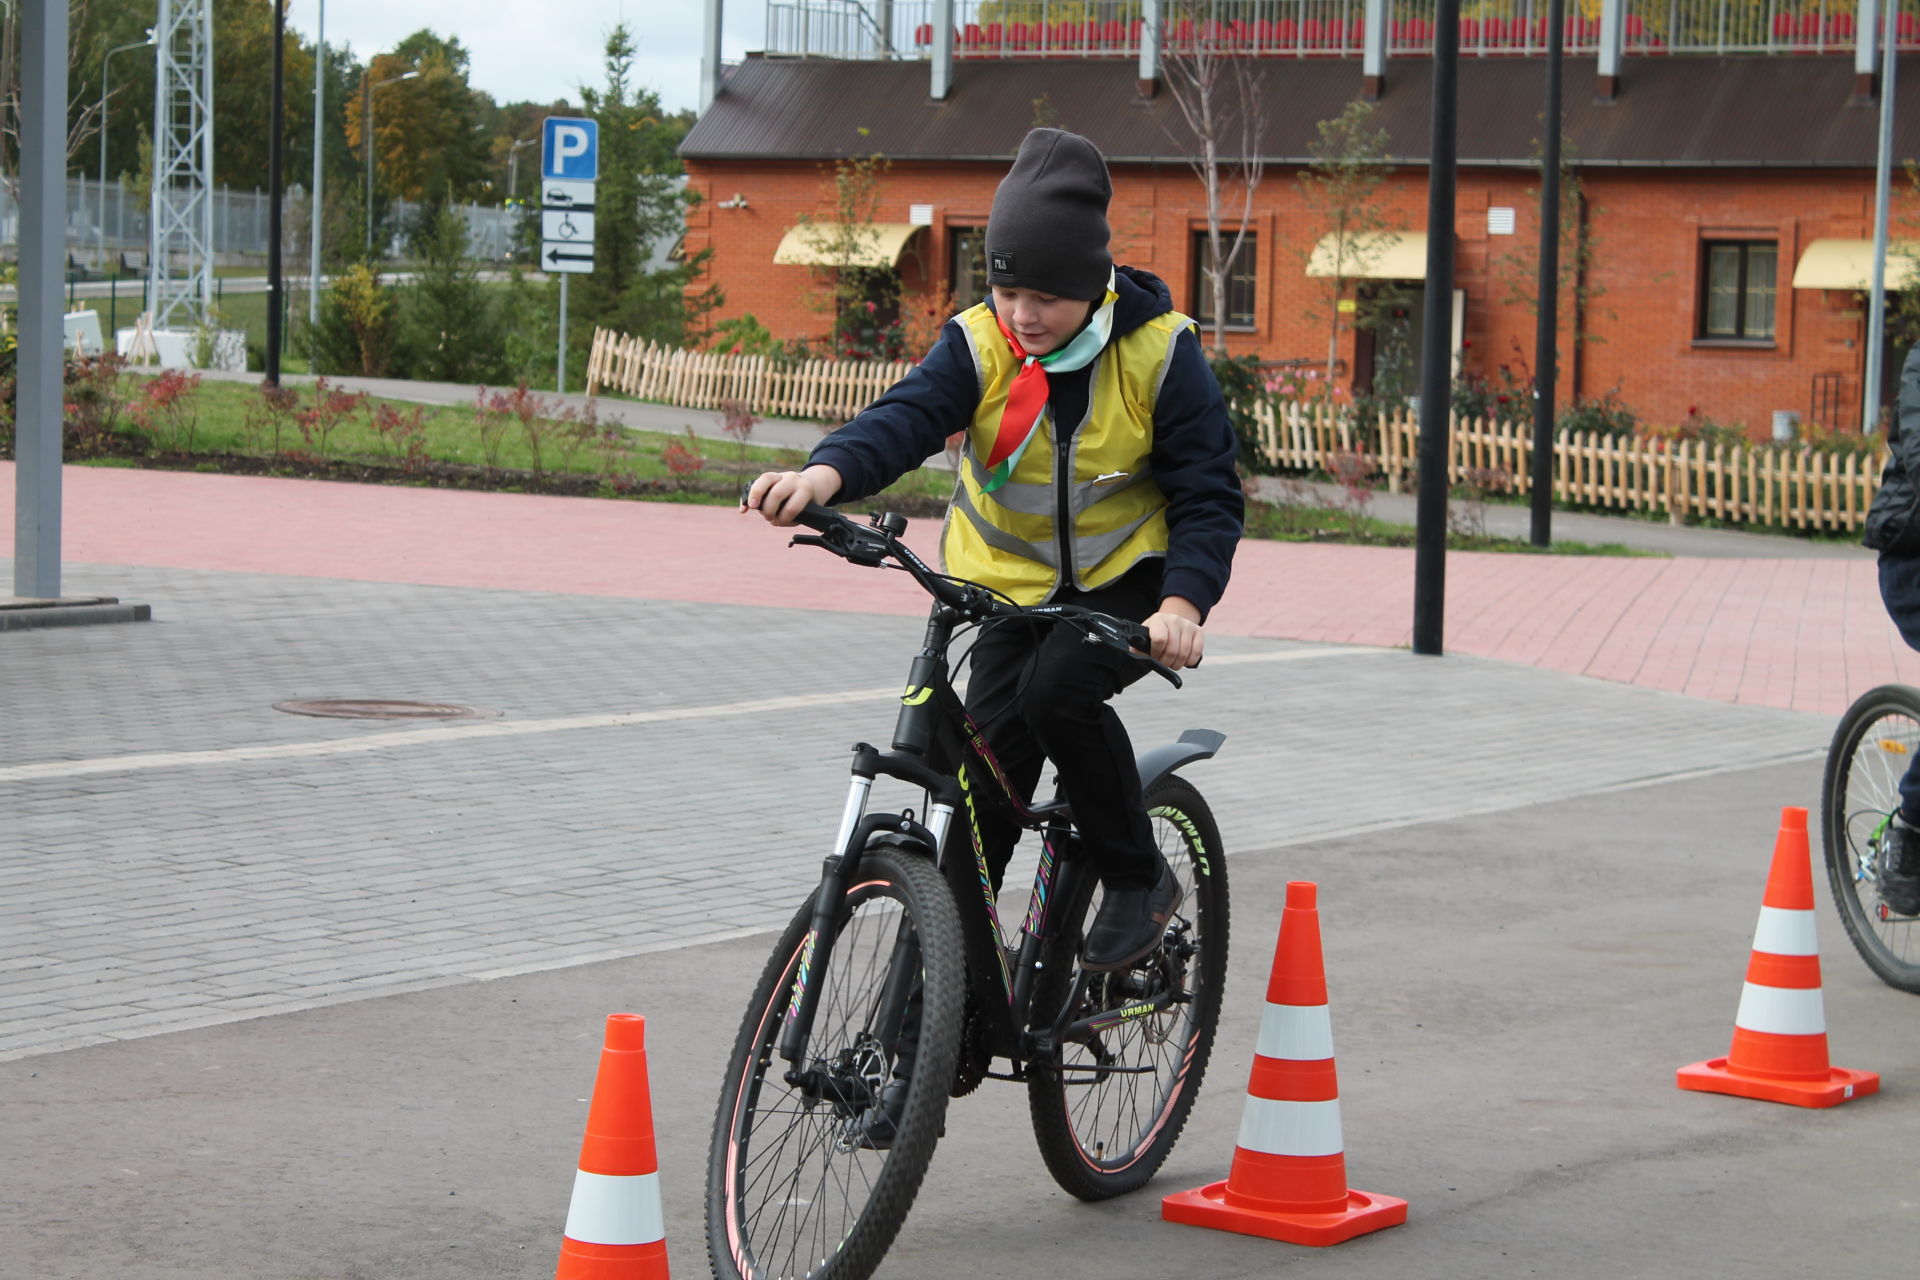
x,y
1875,742
903,936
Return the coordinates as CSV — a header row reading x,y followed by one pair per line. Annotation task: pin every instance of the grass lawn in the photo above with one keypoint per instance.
x,y
226,418
429,444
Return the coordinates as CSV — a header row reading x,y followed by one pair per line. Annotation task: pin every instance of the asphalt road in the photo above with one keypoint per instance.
x,y
1511,994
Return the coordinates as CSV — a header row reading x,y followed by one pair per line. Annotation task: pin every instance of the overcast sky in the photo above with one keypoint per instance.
x,y
539,50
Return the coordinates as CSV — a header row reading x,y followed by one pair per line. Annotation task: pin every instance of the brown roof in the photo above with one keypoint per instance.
x,y
1674,111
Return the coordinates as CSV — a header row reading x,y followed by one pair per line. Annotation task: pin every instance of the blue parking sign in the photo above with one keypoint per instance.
x,y
570,149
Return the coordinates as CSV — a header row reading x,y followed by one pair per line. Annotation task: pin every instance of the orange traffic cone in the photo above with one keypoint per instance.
x,y
615,1229
1288,1180
1779,1051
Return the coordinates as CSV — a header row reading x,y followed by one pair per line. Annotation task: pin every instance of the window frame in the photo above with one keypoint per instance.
x,y
1705,337
957,234
1236,281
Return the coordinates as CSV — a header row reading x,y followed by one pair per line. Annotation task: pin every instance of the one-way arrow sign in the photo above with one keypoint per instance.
x,y
558,256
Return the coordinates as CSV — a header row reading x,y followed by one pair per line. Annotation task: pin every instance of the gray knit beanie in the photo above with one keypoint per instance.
x,y
1048,230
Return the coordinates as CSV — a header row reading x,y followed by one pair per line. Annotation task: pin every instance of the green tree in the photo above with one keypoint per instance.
x,y
1349,164
639,205
863,301
450,323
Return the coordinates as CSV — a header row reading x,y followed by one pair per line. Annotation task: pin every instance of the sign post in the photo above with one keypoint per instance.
x,y
569,167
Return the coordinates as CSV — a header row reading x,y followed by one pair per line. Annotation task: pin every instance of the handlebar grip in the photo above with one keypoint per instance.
x,y
820,518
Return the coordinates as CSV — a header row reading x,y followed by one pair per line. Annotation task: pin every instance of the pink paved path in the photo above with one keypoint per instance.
x,y
1803,634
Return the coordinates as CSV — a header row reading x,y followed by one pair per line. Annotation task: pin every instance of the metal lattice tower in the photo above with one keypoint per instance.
x,y
180,270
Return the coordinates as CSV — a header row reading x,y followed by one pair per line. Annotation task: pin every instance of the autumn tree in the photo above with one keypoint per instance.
x,y
1339,185
428,142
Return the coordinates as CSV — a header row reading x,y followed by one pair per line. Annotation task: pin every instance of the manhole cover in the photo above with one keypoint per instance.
x,y
380,709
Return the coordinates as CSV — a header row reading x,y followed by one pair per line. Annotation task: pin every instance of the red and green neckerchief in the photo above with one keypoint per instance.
x,y
1027,397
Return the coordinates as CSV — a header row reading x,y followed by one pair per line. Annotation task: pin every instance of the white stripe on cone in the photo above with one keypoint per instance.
x,y
1296,1032
1781,1011
1291,1128
610,1209
1786,931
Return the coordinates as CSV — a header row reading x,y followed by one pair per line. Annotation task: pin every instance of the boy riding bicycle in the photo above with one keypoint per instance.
x,y
1893,529
1098,470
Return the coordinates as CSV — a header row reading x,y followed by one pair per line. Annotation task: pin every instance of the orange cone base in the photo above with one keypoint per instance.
x,y
1207,1207
1840,1085
582,1261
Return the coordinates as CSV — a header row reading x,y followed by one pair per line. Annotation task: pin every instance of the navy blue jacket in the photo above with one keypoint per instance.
x,y
1193,445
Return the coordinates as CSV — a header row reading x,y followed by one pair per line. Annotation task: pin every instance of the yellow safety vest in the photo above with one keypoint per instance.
x,y
1098,476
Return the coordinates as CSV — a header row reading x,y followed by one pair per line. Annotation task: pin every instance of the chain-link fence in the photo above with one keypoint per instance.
x,y
106,222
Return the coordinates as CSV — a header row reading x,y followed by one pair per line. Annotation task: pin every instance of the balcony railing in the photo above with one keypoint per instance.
x,y
1309,28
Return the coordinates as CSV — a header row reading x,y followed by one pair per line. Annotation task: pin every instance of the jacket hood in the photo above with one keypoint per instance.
x,y
1143,295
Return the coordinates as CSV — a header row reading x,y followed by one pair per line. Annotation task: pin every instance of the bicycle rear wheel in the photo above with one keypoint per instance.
x,y
792,1191
1877,739
1104,1133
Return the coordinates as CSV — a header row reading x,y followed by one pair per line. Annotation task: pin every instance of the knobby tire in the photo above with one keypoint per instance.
x,y
1106,1135
788,1195
1878,738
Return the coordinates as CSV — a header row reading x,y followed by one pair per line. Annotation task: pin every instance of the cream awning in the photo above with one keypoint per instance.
x,y
1848,264
1374,255
835,244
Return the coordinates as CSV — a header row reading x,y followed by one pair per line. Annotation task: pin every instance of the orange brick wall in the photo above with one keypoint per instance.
x,y
1647,227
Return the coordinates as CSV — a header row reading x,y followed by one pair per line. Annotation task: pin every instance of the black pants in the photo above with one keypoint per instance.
x,y
1900,591
1041,692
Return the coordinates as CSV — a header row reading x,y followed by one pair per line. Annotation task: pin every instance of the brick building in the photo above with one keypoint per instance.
x,y
1727,199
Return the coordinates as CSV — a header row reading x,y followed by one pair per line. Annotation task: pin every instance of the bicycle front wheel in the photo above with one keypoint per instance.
x,y
1878,738
795,1187
1107,1114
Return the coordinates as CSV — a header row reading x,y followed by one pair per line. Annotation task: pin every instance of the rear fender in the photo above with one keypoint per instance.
x,y
1194,744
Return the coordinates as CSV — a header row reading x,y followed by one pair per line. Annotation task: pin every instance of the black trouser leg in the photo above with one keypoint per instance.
x,y
1041,692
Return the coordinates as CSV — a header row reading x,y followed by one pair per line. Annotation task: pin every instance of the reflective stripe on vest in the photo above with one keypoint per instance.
x,y
1117,514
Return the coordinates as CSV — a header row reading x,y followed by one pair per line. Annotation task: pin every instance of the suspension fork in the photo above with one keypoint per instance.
x,y
839,873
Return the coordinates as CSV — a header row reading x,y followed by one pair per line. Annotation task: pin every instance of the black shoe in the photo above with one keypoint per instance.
x,y
1130,924
875,1128
1897,872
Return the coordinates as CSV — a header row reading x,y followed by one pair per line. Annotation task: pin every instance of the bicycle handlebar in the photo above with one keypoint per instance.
x,y
874,543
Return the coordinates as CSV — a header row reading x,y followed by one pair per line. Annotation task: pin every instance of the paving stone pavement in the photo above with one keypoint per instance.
x,y
175,853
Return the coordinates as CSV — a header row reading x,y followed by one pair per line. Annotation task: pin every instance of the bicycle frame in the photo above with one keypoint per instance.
x,y
938,747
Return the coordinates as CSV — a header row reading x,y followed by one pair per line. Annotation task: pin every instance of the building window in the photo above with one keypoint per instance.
x,y
1737,289
1241,279
968,270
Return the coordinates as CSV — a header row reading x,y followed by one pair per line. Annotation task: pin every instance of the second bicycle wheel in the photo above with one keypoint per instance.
x,y
795,1191
1109,1112
1878,738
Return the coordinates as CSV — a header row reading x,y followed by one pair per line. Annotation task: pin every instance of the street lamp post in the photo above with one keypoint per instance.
x,y
100,240
313,202
513,191
367,86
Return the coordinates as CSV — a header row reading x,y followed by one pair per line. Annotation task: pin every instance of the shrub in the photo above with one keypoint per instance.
x,y
684,460
92,404
401,433
267,418
331,406
1245,389
167,409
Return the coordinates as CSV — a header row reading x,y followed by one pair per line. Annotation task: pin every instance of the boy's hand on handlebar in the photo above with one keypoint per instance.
x,y
1178,640
780,496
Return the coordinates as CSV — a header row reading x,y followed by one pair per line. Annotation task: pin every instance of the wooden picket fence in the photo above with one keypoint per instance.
x,y
831,390
1780,486
1777,486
